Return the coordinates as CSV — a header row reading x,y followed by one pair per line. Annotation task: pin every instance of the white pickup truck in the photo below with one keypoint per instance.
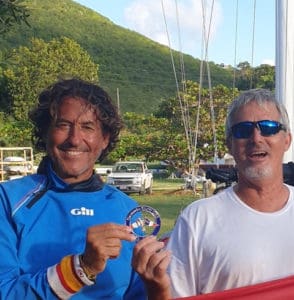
x,y
131,177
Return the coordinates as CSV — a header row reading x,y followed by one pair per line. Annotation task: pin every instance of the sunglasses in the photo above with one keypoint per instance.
x,y
244,130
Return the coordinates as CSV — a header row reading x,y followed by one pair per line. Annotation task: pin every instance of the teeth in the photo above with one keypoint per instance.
x,y
73,153
258,154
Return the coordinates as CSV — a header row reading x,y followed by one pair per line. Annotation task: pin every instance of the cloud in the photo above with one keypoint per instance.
x,y
175,24
268,61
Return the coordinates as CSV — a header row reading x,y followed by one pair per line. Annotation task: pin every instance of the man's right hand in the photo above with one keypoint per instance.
x,y
104,242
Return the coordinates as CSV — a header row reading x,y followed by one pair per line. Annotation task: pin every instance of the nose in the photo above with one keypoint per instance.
x,y
256,136
74,135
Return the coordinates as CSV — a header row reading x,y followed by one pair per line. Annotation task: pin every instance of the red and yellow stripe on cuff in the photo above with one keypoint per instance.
x,y
63,279
67,275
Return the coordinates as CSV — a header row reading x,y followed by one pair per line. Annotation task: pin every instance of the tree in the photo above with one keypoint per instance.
x,y
265,76
212,115
32,69
12,12
14,133
244,76
248,77
162,136
145,137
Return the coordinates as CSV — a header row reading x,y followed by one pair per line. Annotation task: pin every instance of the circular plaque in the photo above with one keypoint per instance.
x,y
144,221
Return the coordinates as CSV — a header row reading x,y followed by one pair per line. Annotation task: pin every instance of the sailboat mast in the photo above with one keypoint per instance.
x,y
285,62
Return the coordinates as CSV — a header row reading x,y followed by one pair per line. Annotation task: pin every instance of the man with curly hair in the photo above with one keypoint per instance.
x,y
62,230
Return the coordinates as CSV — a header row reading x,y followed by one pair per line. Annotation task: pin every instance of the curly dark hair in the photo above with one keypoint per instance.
x,y
50,99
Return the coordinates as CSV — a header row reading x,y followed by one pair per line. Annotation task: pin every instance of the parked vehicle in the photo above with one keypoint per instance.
x,y
222,177
17,165
131,177
16,162
191,181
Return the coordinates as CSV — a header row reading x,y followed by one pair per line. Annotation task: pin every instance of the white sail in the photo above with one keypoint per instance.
x,y
285,62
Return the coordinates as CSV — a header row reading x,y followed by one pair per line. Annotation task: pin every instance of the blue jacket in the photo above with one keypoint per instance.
x,y
43,219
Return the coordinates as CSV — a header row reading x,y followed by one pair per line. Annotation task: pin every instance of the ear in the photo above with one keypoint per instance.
x,y
229,144
288,140
105,141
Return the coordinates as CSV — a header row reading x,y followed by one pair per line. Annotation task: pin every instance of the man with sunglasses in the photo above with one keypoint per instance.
x,y
243,236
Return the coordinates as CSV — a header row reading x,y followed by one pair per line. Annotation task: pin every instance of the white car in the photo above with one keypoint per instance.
x,y
16,165
131,177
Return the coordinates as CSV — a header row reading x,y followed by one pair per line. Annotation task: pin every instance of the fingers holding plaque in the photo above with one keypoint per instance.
x,y
144,221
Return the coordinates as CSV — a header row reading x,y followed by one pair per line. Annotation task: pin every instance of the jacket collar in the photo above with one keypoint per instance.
x,y
94,183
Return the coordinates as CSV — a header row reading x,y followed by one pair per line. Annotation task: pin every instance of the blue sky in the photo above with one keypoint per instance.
x,y
179,24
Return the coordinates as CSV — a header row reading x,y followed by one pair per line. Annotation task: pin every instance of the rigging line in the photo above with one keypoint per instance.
x,y
210,88
212,114
235,53
252,49
193,156
206,40
184,86
176,79
180,49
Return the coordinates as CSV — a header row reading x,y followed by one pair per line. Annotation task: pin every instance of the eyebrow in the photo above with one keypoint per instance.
x,y
68,121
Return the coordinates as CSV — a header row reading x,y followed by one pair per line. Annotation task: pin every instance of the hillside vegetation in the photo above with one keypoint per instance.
x,y
130,65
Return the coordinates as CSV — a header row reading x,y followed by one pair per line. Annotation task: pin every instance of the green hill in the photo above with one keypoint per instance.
x,y
130,65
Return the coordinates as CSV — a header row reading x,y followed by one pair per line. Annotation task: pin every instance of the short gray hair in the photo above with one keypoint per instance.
x,y
261,97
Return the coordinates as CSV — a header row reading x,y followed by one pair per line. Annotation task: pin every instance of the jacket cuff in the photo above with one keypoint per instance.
x,y
67,277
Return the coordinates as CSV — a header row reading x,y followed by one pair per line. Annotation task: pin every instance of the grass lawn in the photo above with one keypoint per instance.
x,y
168,198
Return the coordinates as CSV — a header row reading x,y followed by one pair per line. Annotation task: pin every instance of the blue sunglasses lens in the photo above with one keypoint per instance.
x,y
244,130
268,128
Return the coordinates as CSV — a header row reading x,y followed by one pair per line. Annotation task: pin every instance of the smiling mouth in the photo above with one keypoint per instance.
x,y
72,153
259,154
